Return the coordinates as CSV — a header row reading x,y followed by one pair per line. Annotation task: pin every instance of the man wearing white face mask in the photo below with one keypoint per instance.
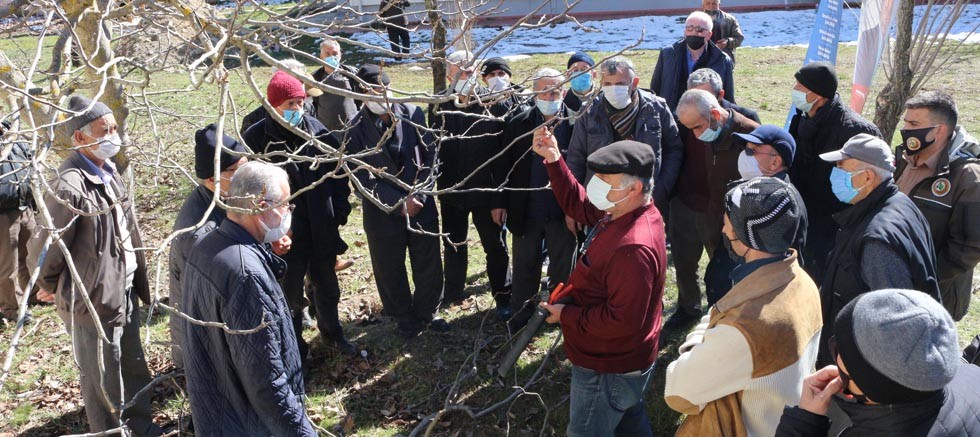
x,y
467,128
624,112
610,309
496,74
244,383
334,110
102,241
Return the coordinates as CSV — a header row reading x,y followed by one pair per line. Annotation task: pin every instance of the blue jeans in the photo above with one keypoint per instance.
x,y
605,404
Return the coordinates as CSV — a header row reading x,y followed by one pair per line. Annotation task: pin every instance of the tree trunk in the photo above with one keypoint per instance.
x,y
890,102
438,46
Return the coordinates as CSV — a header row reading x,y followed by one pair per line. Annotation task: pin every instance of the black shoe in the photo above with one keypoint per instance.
x,y
680,319
409,329
439,325
453,299
504,313
345,347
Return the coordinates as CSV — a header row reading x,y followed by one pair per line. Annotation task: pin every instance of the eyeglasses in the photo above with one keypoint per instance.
x,y
845,379
277,204
751,152
696,29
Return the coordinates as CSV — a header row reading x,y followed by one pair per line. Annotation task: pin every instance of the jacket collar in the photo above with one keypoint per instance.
x,y
894,418
858,211
239,235
831,107
761,282
88,169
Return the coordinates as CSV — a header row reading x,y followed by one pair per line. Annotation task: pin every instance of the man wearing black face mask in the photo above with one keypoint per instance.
x,y
695,51
938,168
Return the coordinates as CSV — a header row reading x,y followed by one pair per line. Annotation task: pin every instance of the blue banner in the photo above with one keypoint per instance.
x,y
824,37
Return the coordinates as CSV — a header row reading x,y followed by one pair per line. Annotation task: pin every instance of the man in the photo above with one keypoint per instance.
x,y
708,80
405,154
622,111
93,212
611,315
17,216
334,110
192,213
245,377
534,216
496,75
883,240
319,211
392,13
710,163
726,33
915,387
746,359
294,68
469,129
582,78
676,62
823,123
939,169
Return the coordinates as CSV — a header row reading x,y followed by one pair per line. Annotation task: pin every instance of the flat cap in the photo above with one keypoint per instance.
x,y
372,74
630,157
78,105
866,148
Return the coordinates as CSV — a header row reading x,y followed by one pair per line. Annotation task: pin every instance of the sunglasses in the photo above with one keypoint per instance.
x,y
844,377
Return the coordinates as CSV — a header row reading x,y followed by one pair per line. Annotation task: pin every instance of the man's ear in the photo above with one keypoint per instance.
x,y
721,96
79,137
636,82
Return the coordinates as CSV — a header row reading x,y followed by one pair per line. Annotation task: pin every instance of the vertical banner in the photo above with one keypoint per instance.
x,y
824,37
873,33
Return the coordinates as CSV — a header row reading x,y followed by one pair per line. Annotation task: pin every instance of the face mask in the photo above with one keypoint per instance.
x,y
332,61
376,108
274,234
739,259
915,139
548,107
710,135
598,192
293,117
617,95
799,101
840,183
498,83
748,167
581,82
694,42
465,86
109,146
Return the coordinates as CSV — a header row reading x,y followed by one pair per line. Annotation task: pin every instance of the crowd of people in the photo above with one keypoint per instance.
x,y
837,265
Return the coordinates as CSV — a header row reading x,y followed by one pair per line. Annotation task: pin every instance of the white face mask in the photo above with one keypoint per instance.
x,y
109,146
274,234
376,108
498,83
465,86
617,95
748,167
598,193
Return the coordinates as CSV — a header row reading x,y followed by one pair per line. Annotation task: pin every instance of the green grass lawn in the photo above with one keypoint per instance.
x,y
399,381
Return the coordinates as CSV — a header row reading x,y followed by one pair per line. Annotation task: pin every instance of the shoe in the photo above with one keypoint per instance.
x,y
453,299
346,347
439,325
680,319
342,264
408,330
504,313
308,322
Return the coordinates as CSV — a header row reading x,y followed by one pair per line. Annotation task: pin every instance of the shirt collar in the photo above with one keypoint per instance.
x,y
929,164
742,271
104,173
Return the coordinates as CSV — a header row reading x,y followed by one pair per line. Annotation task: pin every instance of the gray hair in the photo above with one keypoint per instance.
x,y
547,73
701,100
706,76
703,17
647,183
291,66
460,57
883,174
617,65
254,182
329,41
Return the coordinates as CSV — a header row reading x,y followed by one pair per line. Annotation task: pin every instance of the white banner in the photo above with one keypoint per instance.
x,y
873,32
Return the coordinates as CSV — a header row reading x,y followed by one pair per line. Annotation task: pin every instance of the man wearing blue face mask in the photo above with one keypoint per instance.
x,y
320,211
334,110
533,216
582,82
882,240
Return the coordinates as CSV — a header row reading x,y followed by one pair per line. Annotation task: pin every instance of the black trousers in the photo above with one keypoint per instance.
x,y
455,222
400,40
528,256
313,253
387,249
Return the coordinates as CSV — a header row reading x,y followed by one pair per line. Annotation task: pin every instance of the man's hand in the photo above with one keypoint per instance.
x,y
281,246
572,225
499,216
554,311
545,144
818,389
722,44
412,206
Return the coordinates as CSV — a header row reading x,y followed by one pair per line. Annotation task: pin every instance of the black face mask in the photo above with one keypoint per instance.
x,y
739,259
915,139
694,42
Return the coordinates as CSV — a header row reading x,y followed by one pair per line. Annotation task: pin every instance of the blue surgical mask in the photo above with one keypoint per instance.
x,y
840,183
548,107
293,117
581,82
332,61
710,135
799,101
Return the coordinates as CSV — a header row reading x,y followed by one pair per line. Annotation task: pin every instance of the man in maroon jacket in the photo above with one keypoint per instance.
x,y
610,316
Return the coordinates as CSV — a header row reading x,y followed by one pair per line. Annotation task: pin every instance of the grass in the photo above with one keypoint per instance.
x,y
400,381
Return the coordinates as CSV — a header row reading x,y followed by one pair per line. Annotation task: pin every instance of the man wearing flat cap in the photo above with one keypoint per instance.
x,y
610,312
91,208
882,240
194,221
822,123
